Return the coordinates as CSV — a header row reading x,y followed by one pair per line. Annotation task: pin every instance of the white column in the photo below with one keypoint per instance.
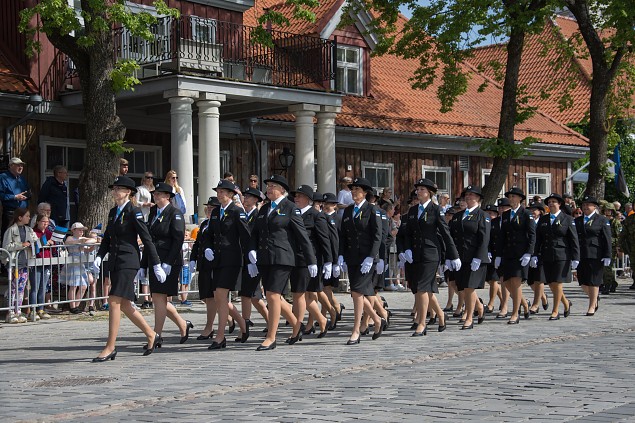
x,y
304,143
326,166
208,147
181,142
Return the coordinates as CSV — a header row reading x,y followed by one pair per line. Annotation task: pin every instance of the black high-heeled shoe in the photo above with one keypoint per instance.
x,y
333,325
471,326
365,332
489,310
545,306
322,334
502,316
451,308
382,327
271,346
597,304
204,337
433,320
567,312
424,332
514,322
296,338
353,341
309,331
232,327
249,323
442,328
459,314
159,344
534,311
526,315
155,344
556,317
338,315
218,345
188,326
481,319
590,314
110,356
244,336
414,326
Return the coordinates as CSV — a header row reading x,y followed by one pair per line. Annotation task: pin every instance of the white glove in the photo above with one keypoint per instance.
x,y
524,260
476,263
497,262
489,256
344,268
340,261
313,269
252,269
166,268
456,265
159,273
327,270
366,265
607,262
141,274
209,254
448,265
253,257
534,262
192,266
574,264
336,271
96,265
408,256
380,267
402,257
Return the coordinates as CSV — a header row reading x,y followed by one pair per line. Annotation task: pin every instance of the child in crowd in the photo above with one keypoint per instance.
x,y
185,272
92,279
19,240
40,275
74,274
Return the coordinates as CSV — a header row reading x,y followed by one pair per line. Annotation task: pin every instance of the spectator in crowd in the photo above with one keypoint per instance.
x,y
178,200
229,177
628,209
74,274
18,241
444,202
254,182
617,205
344,197
14,191
144,194
577,212
45,209
123,167
386,197
536,199
55,192
40,276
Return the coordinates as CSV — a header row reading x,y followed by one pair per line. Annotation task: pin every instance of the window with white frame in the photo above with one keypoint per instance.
x,y
485,178
203,30
538,184
442,176
143,158
380,175
348,78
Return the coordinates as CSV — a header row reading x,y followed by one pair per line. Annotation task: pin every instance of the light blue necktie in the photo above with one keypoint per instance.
x,y
273,206
157,216
586,219
553,218
355,211
513,214
118,214
222,213
466,214
421,209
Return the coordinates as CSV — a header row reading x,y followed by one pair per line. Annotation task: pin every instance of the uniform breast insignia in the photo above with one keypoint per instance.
x,y
177,217
296,211
377,213
487,219
139,215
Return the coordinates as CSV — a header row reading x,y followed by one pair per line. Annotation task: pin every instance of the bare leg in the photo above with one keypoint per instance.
x,y
358,308
514,287
422,300
505,300
220,296
118,304
261,307
470,297
451,291
314,310
210,306
592,292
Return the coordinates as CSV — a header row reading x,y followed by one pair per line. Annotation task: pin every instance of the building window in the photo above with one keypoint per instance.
x,y
203,30
441,176
380,175
538,184
485,178
143,158
348,78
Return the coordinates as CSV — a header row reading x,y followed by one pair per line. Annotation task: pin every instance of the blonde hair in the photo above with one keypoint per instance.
x,y
168,180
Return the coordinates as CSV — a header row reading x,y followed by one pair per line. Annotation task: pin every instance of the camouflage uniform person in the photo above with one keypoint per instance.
x,y
627,238
610,284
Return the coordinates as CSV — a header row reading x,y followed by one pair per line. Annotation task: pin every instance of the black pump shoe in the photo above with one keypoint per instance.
x,y
232,327
218,345
514,322
159,344
110,356
204,337
424,332
470,326
382,327
353,341
188,326
433,320
556,317
267,348
243,336
156,344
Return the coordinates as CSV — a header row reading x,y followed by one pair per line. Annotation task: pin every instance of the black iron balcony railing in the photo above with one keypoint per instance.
x,y
216,49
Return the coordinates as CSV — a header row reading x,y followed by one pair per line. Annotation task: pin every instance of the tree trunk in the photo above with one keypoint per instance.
x,y
102,126
507,123
598,136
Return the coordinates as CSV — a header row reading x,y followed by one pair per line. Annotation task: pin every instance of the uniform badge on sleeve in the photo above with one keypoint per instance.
x,y
139,215
243,215
178,217
298,212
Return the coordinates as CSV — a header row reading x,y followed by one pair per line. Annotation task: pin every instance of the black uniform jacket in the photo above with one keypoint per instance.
x,y
594,237
557,241
427,236
333,220
229,236
278,236
168,234
317,228
120,240
517,236
471,235
495,228
360,236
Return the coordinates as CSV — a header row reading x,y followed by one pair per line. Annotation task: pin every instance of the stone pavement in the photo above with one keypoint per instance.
x,y
580,368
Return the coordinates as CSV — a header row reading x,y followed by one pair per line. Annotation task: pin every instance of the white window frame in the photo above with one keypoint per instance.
x,y
487,172
390,167
155,168
530,175
447,170
359,67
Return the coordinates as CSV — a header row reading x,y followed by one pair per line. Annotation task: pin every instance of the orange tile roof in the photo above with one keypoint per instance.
x,y
323,12
12,82
538,74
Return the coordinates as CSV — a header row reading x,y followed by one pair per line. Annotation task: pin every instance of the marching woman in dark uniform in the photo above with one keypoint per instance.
x,y
503,205
453,275
334,222
536,275
491,277
278,235
250,290
305,287
167,228
197,259
426,235
515,246
125,223
360,239
228,234
557,250
471,232
594,234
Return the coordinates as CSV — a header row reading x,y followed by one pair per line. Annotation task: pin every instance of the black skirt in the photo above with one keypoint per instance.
x,y
424,277
170,286
536,274
469,279
299,279
250,287
492,273
315,284
275,277
122,283
591,272
205,289
361,283
332,282
225,277
557,271
511,268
